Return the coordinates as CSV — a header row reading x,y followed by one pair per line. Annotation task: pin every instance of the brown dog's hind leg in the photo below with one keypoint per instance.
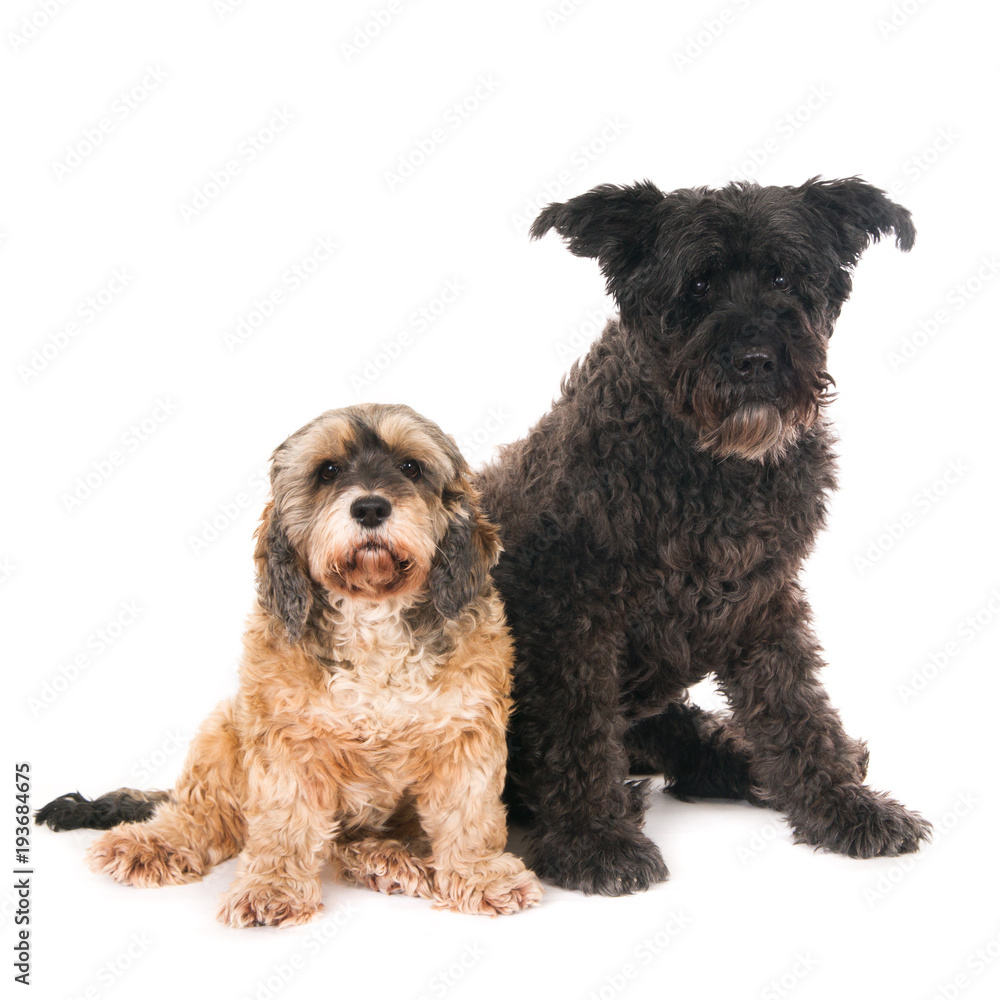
x,y
199,825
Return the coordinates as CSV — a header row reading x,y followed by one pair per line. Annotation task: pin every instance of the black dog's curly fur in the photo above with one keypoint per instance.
x,y
655,520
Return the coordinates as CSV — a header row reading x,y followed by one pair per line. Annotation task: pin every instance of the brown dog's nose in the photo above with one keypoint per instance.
x,y
371,510
754,364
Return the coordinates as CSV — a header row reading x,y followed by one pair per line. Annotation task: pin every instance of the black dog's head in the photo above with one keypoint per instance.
x,y
735,291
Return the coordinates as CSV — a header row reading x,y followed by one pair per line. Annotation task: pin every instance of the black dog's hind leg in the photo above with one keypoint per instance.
x,y
73,811
702,754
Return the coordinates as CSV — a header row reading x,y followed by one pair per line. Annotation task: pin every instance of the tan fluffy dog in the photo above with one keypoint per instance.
x,y
369,726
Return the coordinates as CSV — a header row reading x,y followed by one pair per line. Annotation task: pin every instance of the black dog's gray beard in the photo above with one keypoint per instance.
x,y
755,430
732,421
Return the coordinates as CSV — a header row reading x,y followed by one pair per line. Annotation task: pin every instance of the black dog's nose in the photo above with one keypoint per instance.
x,y
371,510
754,363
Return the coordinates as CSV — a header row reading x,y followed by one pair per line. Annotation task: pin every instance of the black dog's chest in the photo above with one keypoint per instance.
x,y
721,527
723,539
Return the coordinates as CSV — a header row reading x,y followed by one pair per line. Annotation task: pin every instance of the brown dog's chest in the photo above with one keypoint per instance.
x,y
382,709
378,703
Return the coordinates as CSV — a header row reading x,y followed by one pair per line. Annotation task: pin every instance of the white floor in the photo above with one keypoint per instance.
x,y
745,914
132,329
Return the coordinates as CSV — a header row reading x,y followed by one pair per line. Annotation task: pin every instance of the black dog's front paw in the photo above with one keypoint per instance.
x,y
610,862
862,823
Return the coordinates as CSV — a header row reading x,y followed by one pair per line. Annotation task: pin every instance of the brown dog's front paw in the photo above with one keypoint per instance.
x,y
264,904
386,866
863,823
494,888
135,855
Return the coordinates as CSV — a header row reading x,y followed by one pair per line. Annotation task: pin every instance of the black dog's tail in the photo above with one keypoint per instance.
x,y
125,805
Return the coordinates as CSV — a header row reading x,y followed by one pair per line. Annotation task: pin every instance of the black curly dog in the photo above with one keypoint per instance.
x,y
655,520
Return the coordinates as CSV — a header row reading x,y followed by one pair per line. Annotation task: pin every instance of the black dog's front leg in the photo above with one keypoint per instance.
x,y
802,761
569,767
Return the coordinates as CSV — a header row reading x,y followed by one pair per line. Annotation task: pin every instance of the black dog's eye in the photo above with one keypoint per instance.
x,y
781,283
698,287
411,469
328,471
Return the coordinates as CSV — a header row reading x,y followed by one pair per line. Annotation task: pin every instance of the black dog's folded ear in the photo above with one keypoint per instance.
x,y
859,213
617,225
466,554
283,587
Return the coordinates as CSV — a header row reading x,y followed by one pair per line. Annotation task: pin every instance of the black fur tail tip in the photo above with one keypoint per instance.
x,y
73,811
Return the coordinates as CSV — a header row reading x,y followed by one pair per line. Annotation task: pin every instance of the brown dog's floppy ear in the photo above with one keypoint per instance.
x,y
466,554
283,587
859,213
617,225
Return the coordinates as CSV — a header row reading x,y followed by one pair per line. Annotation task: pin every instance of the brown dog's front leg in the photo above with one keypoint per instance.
x,y
461,812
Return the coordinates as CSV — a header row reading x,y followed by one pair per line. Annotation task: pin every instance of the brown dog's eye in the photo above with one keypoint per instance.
x,y
698,287
328,471
411,469
781,283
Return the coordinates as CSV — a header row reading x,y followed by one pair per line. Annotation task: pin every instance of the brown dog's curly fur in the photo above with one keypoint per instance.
x,y
369,726
655,522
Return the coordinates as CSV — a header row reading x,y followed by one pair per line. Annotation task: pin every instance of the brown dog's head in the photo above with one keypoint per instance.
x,y
371,501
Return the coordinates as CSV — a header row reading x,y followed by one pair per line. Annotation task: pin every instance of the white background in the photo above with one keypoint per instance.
x,y
564,103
